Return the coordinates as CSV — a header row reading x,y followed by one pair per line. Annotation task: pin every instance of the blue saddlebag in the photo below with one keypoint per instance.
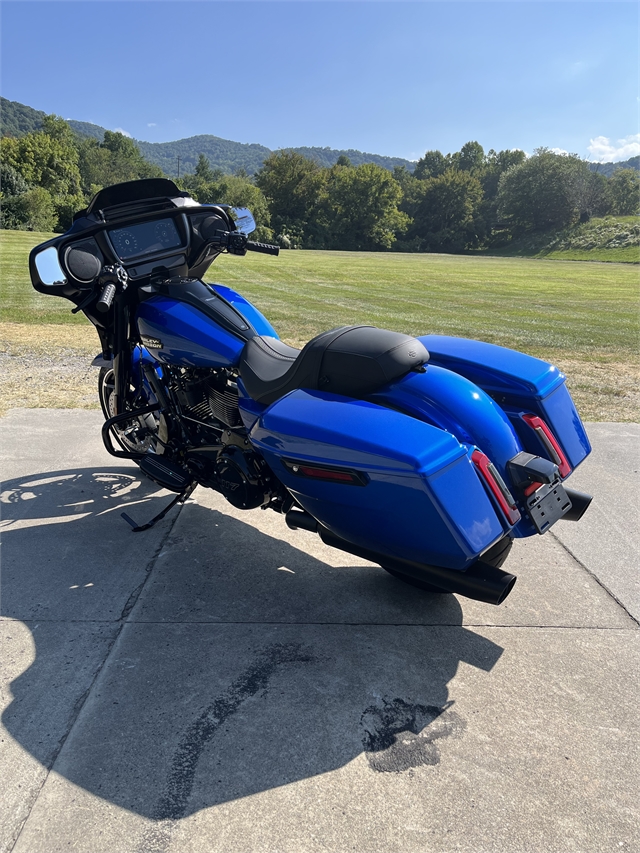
x,y
521,385
416,495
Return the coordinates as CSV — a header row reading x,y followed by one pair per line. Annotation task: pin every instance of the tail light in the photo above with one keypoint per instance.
x,y
549,442
497,485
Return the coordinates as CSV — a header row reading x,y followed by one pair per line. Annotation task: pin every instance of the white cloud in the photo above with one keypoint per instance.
x,y
603,150
151,124
123,132
559,151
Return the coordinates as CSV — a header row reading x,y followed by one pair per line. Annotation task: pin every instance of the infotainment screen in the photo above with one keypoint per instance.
x,y
145,239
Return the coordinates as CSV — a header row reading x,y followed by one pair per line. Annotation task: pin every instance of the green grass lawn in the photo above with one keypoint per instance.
x,y
571,313
527,304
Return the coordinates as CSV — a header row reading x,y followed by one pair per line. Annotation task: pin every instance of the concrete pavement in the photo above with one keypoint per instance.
x,y
222,683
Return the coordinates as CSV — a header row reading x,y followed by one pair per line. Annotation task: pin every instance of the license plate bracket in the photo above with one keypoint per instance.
x,y
548,504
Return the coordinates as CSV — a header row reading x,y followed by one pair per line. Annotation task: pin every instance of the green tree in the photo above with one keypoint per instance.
x,y
470,158
11,181
114,160
546,191
363,206
623,192
496,164
203,171
32,210
447,217
47,160
433,164
293,187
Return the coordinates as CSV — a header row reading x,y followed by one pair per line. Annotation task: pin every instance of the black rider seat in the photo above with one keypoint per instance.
x,y
354,361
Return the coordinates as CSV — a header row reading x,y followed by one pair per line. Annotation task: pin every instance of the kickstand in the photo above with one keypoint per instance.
x,y
181,498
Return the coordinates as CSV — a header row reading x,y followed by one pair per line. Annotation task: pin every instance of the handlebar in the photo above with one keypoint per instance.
x,y
265,248
236,243
106,298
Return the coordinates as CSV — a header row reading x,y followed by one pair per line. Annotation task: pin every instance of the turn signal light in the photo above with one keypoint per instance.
x,y
549,442
497,485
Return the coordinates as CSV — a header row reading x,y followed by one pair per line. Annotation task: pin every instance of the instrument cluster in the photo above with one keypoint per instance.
x,y
148,238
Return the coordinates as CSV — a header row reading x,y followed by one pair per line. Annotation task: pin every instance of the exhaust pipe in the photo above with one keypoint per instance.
x,y
579,504
480,581
299,519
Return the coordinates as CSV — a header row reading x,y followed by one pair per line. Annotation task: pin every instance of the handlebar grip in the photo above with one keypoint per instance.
x,y
106,298
265,248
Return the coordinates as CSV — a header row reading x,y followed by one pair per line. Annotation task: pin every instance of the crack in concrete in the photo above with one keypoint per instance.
x,y
81,701
526,626
594,576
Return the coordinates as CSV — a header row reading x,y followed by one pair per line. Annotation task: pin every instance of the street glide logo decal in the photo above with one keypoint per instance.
x,y
154,343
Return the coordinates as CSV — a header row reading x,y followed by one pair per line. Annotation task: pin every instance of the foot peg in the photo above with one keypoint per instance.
x,y
166,473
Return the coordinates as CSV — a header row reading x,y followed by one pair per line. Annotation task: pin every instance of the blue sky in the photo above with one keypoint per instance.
x,y
391,78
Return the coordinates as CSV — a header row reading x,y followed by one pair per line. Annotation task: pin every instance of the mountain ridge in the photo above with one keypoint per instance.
x,y
224,154
182,154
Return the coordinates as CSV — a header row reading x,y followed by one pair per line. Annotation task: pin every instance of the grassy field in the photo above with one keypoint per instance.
x,y
582,316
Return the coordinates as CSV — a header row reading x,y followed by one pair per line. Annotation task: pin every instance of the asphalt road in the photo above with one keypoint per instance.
x,y
221,683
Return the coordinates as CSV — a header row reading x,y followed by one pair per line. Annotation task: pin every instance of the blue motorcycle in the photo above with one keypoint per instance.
x,y
425,455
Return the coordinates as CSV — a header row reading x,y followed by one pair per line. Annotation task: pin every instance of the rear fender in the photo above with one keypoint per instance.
x,y
452,403
520,384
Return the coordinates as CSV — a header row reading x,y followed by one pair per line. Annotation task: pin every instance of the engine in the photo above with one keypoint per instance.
x,y
221,456
209,397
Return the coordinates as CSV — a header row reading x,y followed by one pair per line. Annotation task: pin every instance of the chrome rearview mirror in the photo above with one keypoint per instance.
x,y
245,223
49,268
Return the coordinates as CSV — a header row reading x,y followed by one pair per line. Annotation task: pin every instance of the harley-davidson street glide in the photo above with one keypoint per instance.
x,y
425,455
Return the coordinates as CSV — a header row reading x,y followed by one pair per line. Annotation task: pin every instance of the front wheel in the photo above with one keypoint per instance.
x,y
139,435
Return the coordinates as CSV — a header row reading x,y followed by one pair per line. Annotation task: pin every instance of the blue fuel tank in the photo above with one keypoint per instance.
x,y
193,324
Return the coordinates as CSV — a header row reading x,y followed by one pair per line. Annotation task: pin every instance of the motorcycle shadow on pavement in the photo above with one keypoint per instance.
x,y
243,665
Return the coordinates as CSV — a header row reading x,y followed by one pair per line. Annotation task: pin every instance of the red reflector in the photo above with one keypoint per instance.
x,y
497,486
531,489
346,476
550,442
324,474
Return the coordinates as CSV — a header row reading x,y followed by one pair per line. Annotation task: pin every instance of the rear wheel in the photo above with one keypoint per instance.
x,y
139,435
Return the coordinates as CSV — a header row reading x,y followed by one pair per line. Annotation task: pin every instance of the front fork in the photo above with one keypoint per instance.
x,y
121,353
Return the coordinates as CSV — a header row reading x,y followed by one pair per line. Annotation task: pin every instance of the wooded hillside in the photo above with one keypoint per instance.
x,y
455,202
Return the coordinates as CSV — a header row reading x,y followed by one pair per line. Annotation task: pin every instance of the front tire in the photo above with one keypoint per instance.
x,y
141,434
